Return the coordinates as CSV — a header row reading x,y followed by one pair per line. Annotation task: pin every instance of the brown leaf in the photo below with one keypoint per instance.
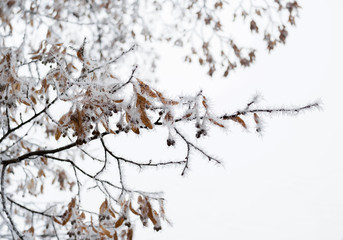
x,y
253,26
33,99
105,231
256,118
144,117
165,101
150,213
41,173
119,222
169,117
145,89
128,117
140,199
135,129
57,221
103,207
72,203
129,234
63,119
82,215
93,228
69,212
67,218
26,103
16,86
36,57
115,235
44,160
204,103
133,210
79,54
187,115
45,84
112,213
240,121
142,101
216,123
10,170
31,185
105,125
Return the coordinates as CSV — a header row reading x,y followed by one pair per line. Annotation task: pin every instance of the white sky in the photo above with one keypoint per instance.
x,y
286,185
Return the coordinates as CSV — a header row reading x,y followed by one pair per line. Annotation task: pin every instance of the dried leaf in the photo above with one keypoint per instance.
x,y
105,125
10,170
31,185
256,118
129,234
103,207
204,102
133,210
45,84
105,231
142,101
240,121
145,89
165,101
82,215
63,119
33,99
112,213
57,221
41,173
67,217
128,117
115,235
216,123
26,103
135,129
93,228
57,134
16,86
150,213
187,115
36,57
119,222
169,117
144,118
79,54
44,160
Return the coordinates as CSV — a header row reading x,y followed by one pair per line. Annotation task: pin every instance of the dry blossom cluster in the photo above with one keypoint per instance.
x,y
72,74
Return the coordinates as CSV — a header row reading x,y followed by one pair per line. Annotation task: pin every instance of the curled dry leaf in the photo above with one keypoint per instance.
x,y
93,228
103,207
240,121
145,89
256,118
216,123
169,117
119,222
166,101
105,231
133,210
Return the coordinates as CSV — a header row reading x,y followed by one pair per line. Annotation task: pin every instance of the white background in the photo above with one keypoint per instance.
x,y
285,185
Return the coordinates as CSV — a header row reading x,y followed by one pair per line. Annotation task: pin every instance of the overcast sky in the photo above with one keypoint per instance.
x,y
285,185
